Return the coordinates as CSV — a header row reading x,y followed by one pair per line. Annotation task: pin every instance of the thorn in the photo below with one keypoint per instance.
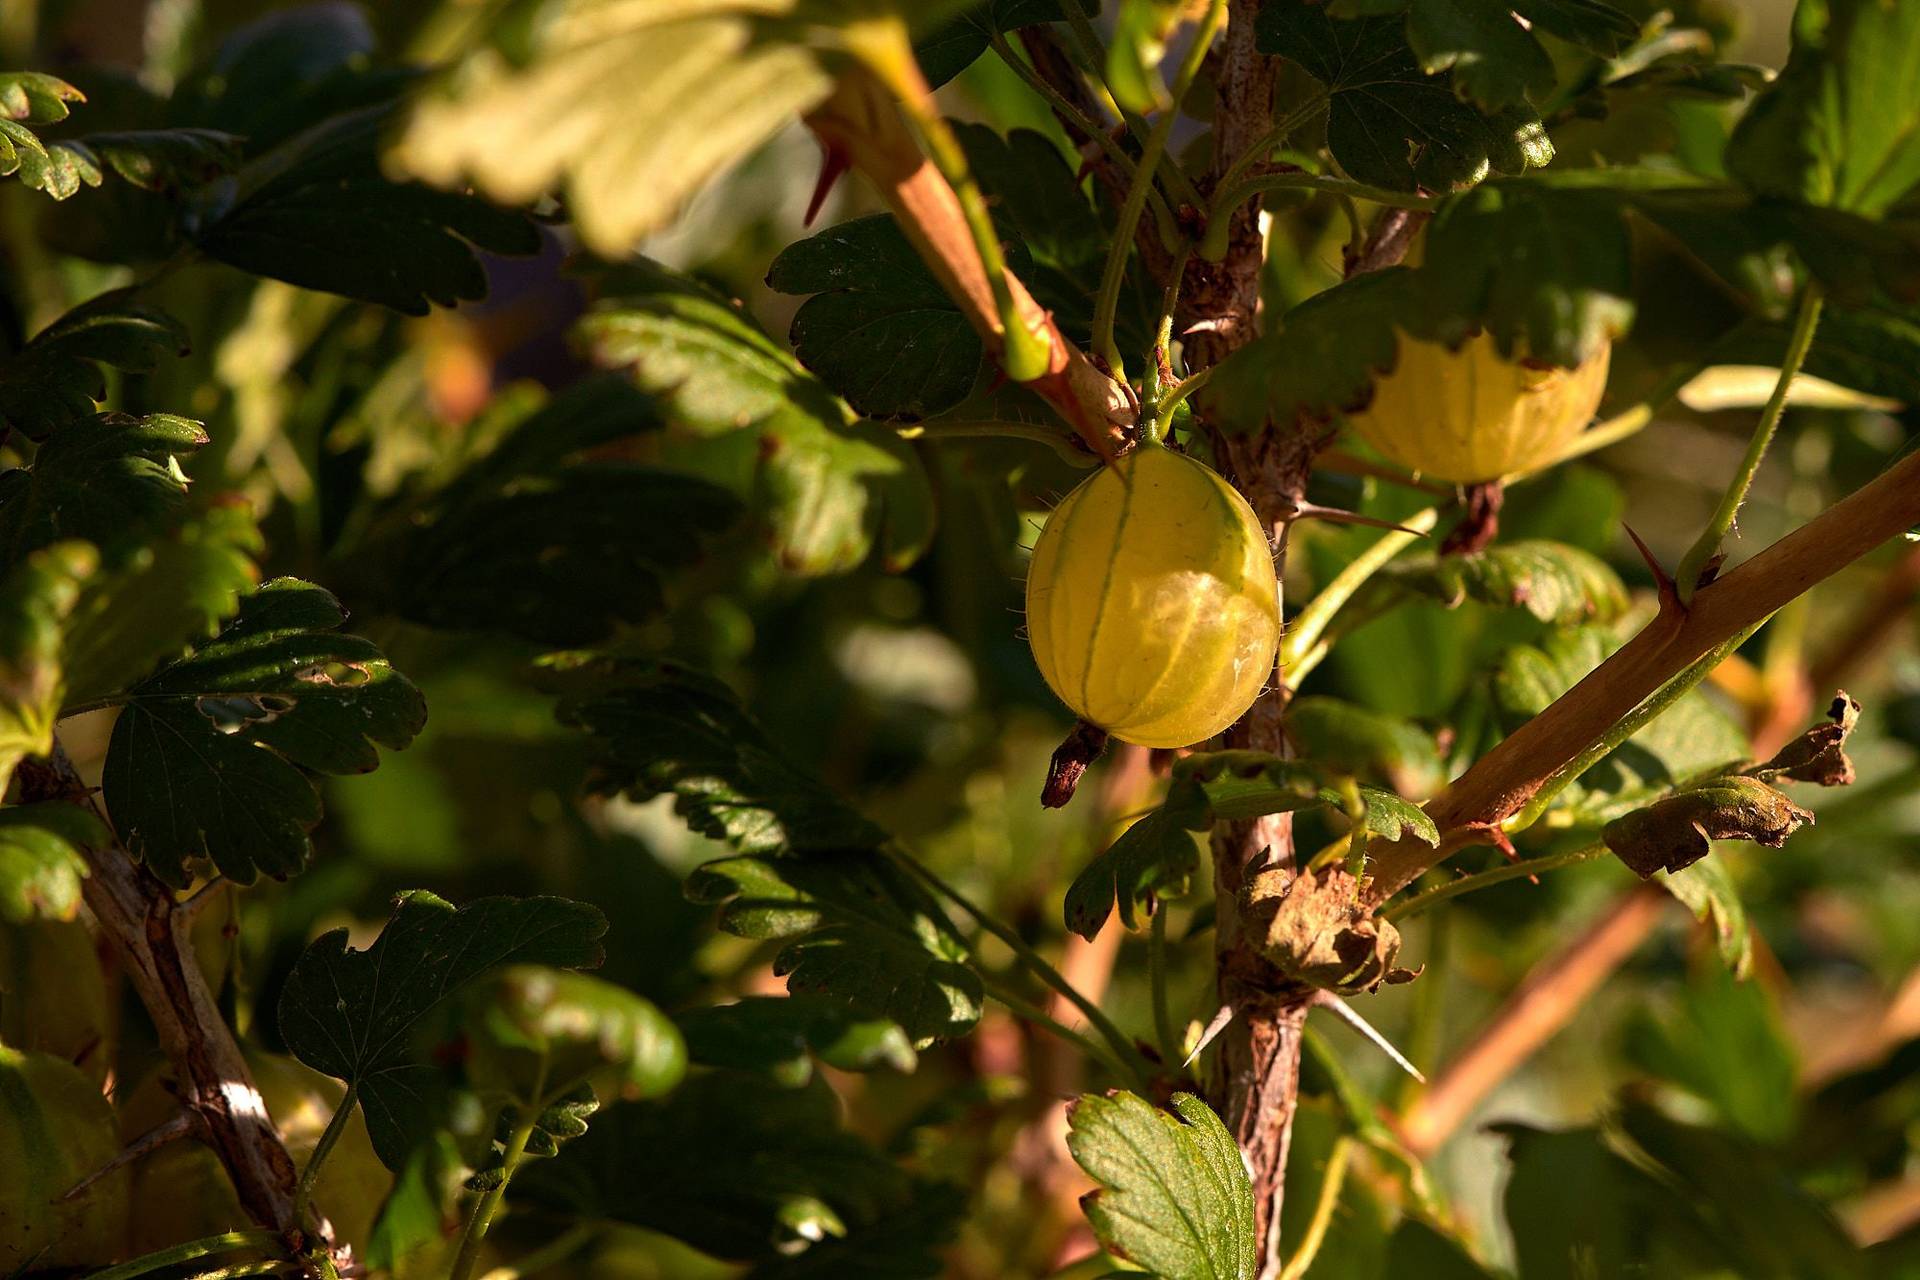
x,y
1670,602
181,1124
833,162
1345,1012
201,898
1335,515
1207,1037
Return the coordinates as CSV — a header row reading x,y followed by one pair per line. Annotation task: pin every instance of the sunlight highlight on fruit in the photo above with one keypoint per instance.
x,y
1473,415
1152,606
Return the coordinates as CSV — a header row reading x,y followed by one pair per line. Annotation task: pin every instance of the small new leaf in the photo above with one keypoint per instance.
x,y
31,98
210,753
1391,817
352,1013
1174,1193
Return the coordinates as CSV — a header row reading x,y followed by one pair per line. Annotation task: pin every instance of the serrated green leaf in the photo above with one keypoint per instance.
x,y
1840,126
1174,1194
1495,61
58,169
41,864
1393,817
37,596
857,929
1155,857
781,1036
831,487
319,212
167,160
878,328
208,757
56,378
156,599
1389,123
777,1173
33,97
536,1032
1557,584
670,730
104,479
352,1013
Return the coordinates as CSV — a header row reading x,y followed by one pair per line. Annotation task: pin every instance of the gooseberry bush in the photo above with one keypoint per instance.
x,y
987,638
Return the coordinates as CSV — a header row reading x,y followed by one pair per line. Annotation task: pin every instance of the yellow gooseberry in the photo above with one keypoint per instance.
x,y
1152,607
1474,415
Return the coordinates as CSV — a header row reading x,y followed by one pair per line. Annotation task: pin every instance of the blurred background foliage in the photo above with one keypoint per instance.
x,y
913,693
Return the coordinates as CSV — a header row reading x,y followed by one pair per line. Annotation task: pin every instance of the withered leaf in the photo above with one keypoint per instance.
x,y
1819,755
1676,832
1312,928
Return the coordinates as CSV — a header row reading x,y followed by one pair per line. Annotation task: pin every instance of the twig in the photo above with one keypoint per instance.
x,y
1706,549
182,1124
191,1251
1526,867
1312,620
1213,245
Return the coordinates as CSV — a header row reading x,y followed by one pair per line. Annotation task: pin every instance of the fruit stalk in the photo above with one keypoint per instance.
x,y
149,932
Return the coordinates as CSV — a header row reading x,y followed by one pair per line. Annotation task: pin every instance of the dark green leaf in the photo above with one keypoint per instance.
x,y
1722,1041
879,329
282,72
37,597
1420,1249
1495,61
946,51
56,378
776,1172
105,479
319,212
210,753
831,486
352,1013
1154,858
1174,1194
908,1244
1354,740
1321,358
1574,1205
669,730
1389,123
856,929
781,1036
1840,126
41,864
167,160
1555,583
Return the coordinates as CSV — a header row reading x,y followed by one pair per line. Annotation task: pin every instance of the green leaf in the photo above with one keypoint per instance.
x,y
1557,584
210,753
104,479
831,487
1389,123
352,1013
167,160
908,1244
879,329
156,599
1573,1205
56,378
781,1036
1677,831
945,51
1722,1041
540,1032
33,97
36,598
572,116
1362,743
1419,1248
1134,52
857,929
319,212
1174,1194
41,863
1392,817
1495,61
667,730
1840,126
776,1173
286,71
1708,891
1154,858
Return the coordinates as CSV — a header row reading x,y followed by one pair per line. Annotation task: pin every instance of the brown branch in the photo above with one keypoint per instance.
x,y
1503,780
139,916
862,123
1539,1007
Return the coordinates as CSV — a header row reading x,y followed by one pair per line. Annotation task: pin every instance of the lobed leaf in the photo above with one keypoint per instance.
x,y
105,479
780,1037
1557,584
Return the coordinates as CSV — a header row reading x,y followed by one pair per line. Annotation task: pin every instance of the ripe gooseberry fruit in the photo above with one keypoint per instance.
x,y
1152,607
55,1128
1473,415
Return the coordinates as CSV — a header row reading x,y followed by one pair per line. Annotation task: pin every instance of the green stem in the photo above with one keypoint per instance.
x,y
1486,879
1331,1184
1034,961
1116,269
1311,622
193,1250
1163,411
489,1203
1806,322
1066,110
1219,213
1668,694
336,1125
1157,977
1094,53
885,50
1363,1114
1213,246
